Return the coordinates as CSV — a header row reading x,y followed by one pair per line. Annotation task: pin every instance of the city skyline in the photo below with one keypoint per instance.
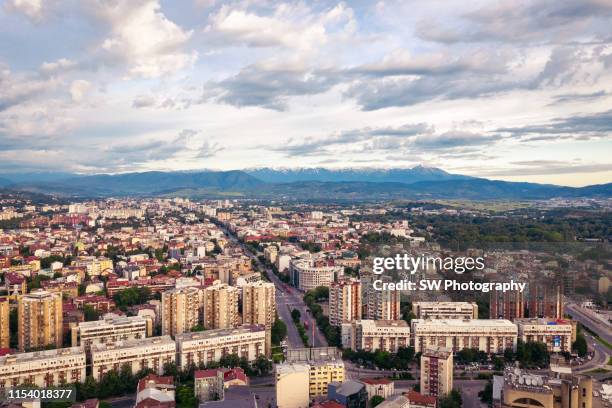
x,y
495,90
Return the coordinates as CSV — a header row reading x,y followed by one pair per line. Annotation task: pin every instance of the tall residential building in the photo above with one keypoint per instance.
x,y
248,341
545,300
488,335
436,371
152,352
220,306
259,306
111,329
445,310
43,368
292,385
4,323
180,310
344,301
380,304
259,303
374,335
507,305
39,320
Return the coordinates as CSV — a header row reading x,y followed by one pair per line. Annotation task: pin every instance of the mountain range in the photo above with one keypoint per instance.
x,y
306,184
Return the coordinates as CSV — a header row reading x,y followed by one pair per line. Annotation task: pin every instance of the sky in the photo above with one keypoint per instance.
x,y
508,90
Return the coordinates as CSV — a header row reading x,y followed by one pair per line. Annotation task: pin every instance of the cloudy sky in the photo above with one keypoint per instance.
x,y
499,89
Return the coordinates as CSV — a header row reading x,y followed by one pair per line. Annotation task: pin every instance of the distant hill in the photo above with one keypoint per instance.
x,y
146,183
300,184
393,175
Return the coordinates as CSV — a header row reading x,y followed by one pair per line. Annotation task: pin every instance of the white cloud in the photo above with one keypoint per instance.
x,y
56,66
144,38
291,27
78,89
33,9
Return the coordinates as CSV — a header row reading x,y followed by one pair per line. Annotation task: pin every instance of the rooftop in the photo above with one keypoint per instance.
x,y
149,341
465,322
20,358
208,334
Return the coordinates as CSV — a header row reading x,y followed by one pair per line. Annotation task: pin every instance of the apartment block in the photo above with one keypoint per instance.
x,y
555,333
436,371
380,304
488,335
220,306
180,310
43,368
94,265
39,320
325,366
5,336
445,310
111,329
152,352
259,303
345,301
374,335
205,347
292,385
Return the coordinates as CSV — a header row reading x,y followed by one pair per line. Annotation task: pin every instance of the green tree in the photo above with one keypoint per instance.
x,y
452,400
580,345
263,365
90,313
229,360
279,331
295,315
486,395
377,399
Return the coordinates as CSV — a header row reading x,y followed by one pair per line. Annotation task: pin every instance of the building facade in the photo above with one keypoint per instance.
x,y
308,274
521,389
180,310
39,316
488,335
345,303
436,371
43,368
111,329
445,310
209,346
380,304
5,336
555,333
374,335
292,385
152,352
220,306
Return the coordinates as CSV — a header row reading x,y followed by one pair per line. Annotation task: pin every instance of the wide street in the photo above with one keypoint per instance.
x,y
287,299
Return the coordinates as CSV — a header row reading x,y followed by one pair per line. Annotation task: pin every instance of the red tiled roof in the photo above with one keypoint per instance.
x,y
166,380
328,404
421,399
205,373
235,374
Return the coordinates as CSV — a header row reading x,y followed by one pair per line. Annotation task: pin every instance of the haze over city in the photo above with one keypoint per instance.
x,y
487,89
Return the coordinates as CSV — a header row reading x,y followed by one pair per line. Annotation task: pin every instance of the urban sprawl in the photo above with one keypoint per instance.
x,y
243,304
